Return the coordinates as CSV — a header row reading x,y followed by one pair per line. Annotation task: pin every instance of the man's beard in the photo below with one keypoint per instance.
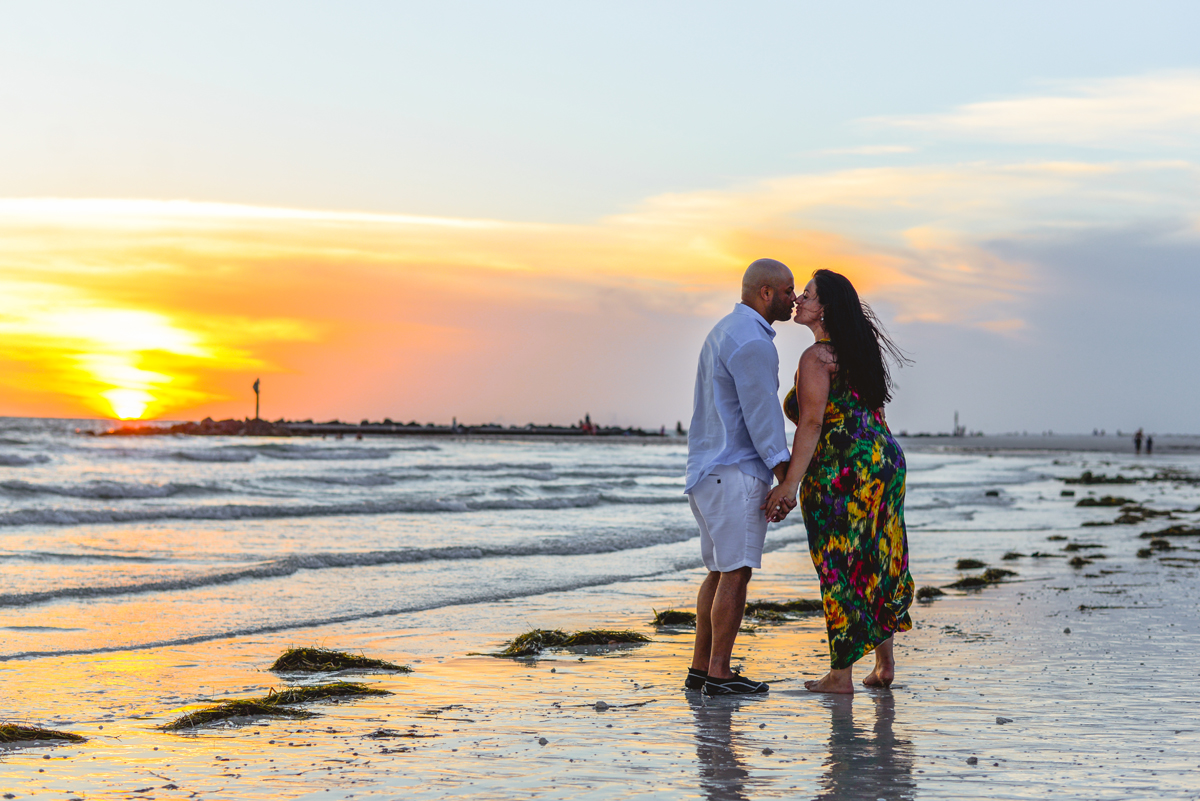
x,y
780,309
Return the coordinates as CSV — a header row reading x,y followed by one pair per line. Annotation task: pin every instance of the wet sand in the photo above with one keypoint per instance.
x,y
1109,710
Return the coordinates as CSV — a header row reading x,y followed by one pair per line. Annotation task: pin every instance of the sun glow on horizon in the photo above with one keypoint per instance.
x,y
128,404
140,309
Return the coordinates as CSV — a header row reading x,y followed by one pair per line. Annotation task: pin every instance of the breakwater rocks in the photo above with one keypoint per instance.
x,y
307,428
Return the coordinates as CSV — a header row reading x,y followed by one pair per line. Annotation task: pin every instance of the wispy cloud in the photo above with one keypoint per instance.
x,y
1159,109
869,150
155,307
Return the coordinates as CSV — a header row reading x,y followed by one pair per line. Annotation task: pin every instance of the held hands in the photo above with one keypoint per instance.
x,y
780,501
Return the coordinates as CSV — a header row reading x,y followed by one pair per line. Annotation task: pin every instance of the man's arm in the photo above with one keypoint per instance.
x,y
755,371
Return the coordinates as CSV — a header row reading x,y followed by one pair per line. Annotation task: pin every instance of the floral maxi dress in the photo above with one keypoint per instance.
x,y
852,497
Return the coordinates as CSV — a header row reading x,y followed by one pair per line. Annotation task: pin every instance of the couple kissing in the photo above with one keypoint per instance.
x,y
845,471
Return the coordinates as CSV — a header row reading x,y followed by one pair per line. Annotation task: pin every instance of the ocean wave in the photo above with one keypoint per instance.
x,y
467,597
18,460
212,456
285,451
51,556
75,517
619,473
490,467
579,545
643,499
363,480
304,452
108,490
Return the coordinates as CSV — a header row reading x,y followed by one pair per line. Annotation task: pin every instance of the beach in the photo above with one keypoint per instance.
x,y
145,579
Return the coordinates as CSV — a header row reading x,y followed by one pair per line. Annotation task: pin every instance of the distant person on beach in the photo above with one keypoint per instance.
x,y
850,471
735,442
1137,442
1149,445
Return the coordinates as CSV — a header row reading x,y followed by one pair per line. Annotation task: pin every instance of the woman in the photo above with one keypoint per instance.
x,y
850,473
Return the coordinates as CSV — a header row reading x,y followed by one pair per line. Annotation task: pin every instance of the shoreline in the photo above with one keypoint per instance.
x,y
1047,651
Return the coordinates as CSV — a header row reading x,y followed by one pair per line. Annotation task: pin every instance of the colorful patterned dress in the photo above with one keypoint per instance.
x,y
852,498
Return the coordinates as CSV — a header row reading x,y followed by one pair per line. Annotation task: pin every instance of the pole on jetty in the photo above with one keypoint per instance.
x,y
256,399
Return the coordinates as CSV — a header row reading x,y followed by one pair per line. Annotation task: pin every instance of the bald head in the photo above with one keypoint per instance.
x,y
769,289
764,273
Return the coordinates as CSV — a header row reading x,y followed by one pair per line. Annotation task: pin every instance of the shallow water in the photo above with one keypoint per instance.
x,y
139,576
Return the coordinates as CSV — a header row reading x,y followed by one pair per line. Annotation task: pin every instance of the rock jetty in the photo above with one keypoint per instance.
x,y
307,428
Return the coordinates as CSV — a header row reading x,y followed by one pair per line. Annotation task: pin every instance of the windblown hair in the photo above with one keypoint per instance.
x,y
859,342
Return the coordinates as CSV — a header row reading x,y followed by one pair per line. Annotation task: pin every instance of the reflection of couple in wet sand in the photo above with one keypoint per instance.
x,y
861,764
845,464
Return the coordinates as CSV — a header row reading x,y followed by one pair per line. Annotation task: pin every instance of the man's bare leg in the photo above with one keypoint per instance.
x,y
885,666
728,609
704,604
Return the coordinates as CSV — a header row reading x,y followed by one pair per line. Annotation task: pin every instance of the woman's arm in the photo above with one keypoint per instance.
x,y
812,395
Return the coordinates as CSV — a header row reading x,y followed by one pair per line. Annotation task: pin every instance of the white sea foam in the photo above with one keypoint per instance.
x,y
255,511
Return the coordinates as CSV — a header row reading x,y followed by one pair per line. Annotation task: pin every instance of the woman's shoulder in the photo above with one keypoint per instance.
x,y
820,355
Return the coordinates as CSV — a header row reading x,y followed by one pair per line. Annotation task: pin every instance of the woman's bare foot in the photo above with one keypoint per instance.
x,y
880,677
885,666
835,681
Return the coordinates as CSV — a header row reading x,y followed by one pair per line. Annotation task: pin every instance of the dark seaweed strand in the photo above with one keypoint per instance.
x,y
673,617
324,659
273,704
534,642
13,733
800,605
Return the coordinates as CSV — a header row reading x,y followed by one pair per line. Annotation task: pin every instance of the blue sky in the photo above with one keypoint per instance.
x,y
1018,185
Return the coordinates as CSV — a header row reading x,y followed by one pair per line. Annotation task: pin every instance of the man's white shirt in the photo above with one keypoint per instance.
x,y
736,415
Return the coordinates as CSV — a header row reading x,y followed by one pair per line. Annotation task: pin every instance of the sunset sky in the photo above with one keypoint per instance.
x,y
527,211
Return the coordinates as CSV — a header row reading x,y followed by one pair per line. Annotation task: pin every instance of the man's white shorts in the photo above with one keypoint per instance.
x,y
732,526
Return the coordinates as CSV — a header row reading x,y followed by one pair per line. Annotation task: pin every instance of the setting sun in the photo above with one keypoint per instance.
x,y
128,404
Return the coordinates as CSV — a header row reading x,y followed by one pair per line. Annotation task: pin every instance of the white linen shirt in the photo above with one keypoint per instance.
x,y
736,415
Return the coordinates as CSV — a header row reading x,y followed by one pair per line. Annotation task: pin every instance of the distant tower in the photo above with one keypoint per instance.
x,y
959,431
256,399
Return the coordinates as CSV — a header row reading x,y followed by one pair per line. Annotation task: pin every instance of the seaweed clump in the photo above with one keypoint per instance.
x,y
781,611
1177,530
534,642
1011,555
14,733
969,564
316,660
673,617
1081,546
929,593
1107,500
994,574
275,704
1089,478
1079,561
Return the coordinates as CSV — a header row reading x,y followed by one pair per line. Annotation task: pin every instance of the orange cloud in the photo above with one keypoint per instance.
x,y
153,308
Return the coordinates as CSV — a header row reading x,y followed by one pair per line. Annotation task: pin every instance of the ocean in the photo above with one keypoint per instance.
x,y
142,578
115,543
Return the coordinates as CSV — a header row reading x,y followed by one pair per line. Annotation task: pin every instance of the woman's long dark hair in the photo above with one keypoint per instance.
x,y
858,339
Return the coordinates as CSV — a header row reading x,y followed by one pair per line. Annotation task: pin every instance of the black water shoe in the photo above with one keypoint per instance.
x,y
738,685
695,679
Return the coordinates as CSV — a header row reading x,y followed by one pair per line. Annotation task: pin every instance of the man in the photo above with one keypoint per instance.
x,y
735,443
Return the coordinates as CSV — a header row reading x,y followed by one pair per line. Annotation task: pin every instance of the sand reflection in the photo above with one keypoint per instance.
x,y
722,774
866,764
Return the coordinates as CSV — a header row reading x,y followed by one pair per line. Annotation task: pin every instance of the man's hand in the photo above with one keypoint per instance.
x,y
780,501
